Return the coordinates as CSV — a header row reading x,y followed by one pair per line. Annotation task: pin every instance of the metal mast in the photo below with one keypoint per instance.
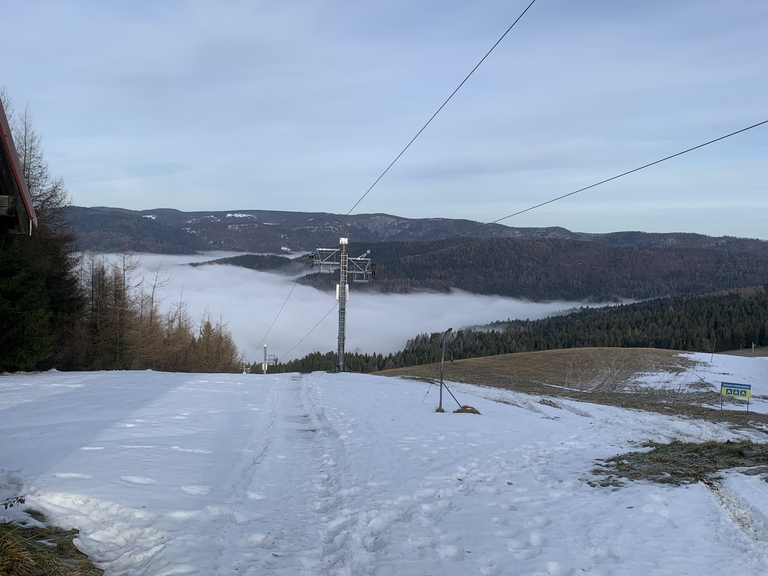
x,y
342,295
360,269
442,362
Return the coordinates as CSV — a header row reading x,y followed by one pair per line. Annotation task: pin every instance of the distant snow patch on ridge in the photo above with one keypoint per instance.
x,y
385,226
239,215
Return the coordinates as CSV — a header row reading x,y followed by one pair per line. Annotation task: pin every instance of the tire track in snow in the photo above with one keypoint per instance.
x,y
336,492
370,528
743,516
292,519
356,524
235,487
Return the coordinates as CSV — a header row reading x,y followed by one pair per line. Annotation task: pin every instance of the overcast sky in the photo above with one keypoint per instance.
x,y
300,105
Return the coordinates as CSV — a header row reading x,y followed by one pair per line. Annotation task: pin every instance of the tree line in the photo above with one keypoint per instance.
x,y
59,309
554,269
124,328
544,269
706,323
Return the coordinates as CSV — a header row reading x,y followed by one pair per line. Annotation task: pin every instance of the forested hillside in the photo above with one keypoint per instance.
x,y
552,269
706,323
261,262
122,231
542,270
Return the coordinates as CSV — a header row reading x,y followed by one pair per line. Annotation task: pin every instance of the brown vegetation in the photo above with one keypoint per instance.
x,y
598,375
467,410
683,462
40,550
759,351
125,328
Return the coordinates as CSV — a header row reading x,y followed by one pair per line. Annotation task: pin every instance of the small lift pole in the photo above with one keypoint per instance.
x,y
268,359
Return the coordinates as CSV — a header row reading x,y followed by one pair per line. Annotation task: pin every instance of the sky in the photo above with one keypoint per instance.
x,y
301,105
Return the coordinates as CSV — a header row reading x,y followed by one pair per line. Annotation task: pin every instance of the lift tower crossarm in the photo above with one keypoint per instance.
x,y
328,261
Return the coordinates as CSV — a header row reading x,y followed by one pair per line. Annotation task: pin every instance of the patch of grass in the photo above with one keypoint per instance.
x,y
467,410
580,369
41,551
548,402
36,514
748,352
682,462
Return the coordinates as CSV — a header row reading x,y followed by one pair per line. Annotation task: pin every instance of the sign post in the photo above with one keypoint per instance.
x,y
743,391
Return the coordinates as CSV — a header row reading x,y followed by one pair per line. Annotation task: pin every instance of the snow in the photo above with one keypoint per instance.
x,y
709,371
170,474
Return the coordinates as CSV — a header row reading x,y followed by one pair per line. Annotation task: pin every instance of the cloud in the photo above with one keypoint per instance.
x,y
249,301
278,104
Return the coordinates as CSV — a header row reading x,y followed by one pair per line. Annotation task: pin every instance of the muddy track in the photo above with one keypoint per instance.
x,y
744,516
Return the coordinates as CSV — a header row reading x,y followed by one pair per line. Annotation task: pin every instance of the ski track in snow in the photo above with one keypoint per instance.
x,y
346,475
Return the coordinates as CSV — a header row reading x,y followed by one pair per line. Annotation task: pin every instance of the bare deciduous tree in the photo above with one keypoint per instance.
x,y
49,195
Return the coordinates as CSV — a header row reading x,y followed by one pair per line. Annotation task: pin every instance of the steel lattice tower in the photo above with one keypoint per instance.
x,y
360,269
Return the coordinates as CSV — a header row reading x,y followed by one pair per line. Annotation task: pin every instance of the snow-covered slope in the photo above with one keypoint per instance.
x,y
288,475
709,371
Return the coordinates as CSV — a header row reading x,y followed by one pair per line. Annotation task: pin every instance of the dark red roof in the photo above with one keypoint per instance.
x,y
13,184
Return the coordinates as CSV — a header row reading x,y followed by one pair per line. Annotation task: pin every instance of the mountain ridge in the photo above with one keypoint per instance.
x,y
171,231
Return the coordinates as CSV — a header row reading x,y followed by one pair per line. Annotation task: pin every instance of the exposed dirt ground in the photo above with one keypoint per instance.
x,y
599,375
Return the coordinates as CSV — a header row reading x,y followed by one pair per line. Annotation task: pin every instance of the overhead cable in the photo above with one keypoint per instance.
x,y
431,118
339,223
296,281
312,330
608,180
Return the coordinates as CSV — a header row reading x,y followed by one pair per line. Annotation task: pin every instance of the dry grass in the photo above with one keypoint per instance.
x,y
597,375
683,462
582,369
467,410
760,351
41,551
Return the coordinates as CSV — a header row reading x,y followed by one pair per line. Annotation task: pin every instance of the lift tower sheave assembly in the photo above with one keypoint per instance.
x,y
360,269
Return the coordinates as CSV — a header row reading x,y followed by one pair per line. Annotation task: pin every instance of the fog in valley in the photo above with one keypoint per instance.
x,y
248,302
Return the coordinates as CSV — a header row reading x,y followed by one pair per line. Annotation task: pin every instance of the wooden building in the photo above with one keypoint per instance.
x,y
17,215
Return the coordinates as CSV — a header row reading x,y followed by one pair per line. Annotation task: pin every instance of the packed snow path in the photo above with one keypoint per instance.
x,y
320,474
